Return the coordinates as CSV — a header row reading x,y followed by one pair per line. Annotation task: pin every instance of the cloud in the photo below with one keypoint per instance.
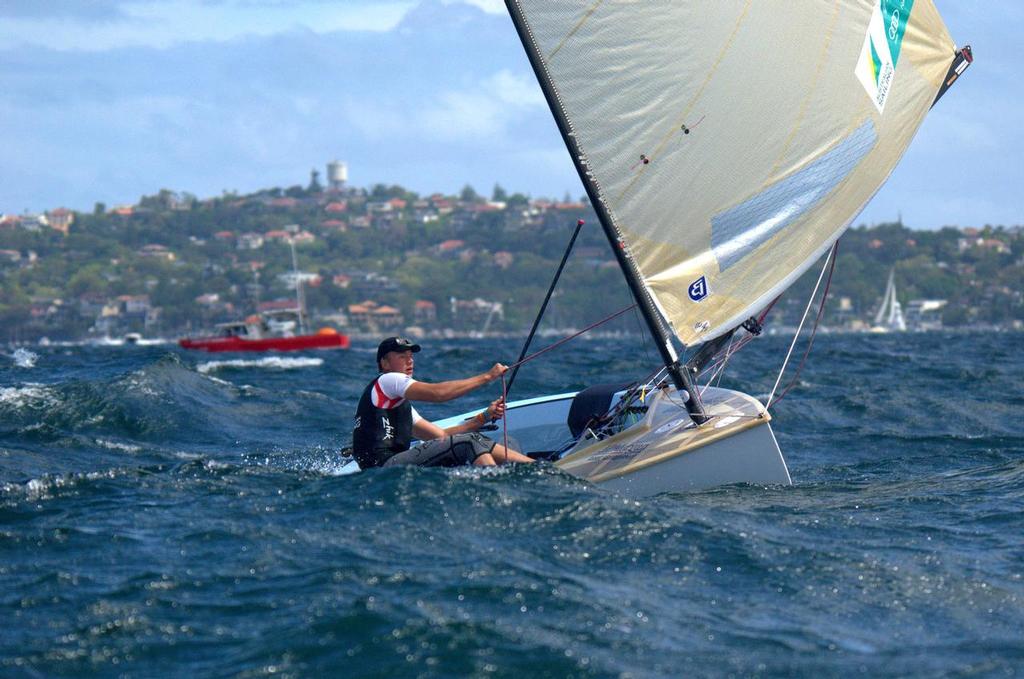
x,y
466,116
429,94
489,6
115,24
96,10
483,112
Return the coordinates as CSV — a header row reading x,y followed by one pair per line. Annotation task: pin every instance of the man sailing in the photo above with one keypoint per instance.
x,y
386,422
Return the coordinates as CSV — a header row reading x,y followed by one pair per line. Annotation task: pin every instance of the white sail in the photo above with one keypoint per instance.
x,y
890,313
730,143
883,308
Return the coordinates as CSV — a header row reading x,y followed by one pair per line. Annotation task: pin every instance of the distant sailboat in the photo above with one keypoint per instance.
x,y
890,314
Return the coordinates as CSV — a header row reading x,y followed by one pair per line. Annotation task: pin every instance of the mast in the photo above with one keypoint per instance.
x,y
662,338
880,316
298,289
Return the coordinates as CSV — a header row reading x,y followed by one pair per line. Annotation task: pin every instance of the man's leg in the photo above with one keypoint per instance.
x,y
503,455
485,460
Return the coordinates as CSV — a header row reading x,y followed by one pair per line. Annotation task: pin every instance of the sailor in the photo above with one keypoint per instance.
x,y
386,422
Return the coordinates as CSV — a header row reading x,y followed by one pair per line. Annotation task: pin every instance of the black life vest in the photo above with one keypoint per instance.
x,y
380,432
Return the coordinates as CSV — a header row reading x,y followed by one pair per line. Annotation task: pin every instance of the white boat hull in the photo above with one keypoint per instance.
x,y
663,452
750,456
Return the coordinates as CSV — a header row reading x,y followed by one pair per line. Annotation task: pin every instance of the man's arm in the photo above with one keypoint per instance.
x,y
446,391
426,430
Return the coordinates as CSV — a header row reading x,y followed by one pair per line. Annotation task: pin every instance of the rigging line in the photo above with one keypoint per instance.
x,y
547,298
744,341
504,387
693,100
573,336
814,330
504,417
725,361
628,398
822,59
721,365
796,336
577,27
643,334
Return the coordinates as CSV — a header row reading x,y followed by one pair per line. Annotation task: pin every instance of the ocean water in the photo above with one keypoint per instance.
x,y
168,513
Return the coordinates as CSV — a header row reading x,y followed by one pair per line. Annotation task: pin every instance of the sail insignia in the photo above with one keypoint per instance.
x,y
881,51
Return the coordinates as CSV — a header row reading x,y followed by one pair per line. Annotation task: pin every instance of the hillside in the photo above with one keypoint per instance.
x,y
173,264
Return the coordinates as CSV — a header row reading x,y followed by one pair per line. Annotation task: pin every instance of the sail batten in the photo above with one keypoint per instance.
x,y
730,143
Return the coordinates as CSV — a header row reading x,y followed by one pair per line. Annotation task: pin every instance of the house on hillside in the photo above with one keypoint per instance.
x,y
449,249
156,251
373,285
371,317
475,314
989,244
424,312
10,221
925,314
61,219
285,202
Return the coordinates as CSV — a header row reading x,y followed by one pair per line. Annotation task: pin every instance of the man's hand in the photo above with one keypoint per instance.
x,y
496,410
496,372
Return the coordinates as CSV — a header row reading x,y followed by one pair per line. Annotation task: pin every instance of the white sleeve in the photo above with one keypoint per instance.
x,y
416,417
394,384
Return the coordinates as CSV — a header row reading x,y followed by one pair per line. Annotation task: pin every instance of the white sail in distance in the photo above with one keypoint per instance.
x,y
890,313
730,143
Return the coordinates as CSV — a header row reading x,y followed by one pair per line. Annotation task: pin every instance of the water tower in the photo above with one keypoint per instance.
x,y
337,174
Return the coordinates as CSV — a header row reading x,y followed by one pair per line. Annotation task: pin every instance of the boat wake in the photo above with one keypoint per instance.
x,y
268,362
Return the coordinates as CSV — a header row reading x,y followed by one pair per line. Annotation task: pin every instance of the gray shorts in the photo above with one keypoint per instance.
x,y
450,451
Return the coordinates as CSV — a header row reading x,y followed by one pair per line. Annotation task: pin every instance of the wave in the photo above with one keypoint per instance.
x,y
28,396
269,362
156,401
44,487
23,358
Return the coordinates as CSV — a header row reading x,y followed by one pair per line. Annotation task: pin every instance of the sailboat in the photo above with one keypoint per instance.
x,y
725,147
890,314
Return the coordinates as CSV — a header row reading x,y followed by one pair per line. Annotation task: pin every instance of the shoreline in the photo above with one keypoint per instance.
x,y
556,334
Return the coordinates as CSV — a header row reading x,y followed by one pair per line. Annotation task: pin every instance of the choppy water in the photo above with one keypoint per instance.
x,y
170,513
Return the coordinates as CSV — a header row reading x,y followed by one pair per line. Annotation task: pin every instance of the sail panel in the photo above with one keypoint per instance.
x,y
738,231
730,143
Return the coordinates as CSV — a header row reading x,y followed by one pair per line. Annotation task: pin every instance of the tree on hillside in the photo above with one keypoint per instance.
x,y
314,182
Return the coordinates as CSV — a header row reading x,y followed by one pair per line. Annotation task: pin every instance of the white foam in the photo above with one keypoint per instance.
x,y
23,358
27,395
320,460
268,362
115,445
40,489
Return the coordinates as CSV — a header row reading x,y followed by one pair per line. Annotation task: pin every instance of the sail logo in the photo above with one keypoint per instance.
x,y
698,289
876,68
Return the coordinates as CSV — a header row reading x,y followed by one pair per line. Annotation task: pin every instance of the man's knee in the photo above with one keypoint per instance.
x,y
469,448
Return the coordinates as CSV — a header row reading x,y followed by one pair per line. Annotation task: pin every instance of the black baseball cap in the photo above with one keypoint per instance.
x,y
395,344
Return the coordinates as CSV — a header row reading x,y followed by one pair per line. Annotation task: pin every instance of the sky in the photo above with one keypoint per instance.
x,y
109,100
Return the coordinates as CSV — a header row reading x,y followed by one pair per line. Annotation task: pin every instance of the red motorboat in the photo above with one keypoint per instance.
x,y
255,334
